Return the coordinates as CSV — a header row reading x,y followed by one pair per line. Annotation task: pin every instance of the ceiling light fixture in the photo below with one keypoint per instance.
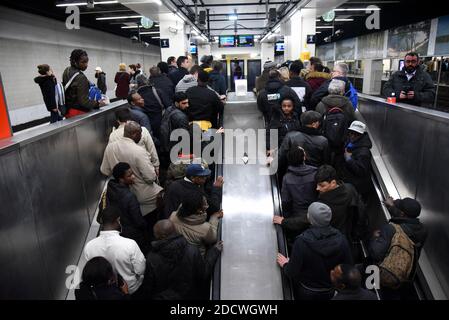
x,y
84,3
357,9
232,17
118,17
149,32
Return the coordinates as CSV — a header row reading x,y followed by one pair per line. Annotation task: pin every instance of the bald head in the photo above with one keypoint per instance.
x,y
164,229
345,276
133,130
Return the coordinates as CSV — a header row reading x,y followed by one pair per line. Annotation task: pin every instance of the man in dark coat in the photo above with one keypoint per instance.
x,y
47,82
340,73
183,69
348,282
175,269
136,106
348,214
315,253
309,138
162,82
119,195
411,85
269,99
356,168
196,177
175,117
204,103
298,192
301,88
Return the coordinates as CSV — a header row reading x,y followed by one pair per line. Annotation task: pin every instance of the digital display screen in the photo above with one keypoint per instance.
x,y
227,41
246,41
279,47
401,64
193,49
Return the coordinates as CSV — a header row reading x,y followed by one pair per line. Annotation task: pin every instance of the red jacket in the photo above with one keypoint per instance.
x,y
122,80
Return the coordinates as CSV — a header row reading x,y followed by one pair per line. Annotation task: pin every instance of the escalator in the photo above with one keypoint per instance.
x,y
247,269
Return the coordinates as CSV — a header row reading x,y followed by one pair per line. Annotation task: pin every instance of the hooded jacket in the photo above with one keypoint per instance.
x,y
298,192
217,82
315,253
314,144
186,82
357,169
261,81
172,119
342,102
133,224
176,270
415,230
316,79
77,94
283,125
197,230
421,83
323,91
269,99
47,85
347,209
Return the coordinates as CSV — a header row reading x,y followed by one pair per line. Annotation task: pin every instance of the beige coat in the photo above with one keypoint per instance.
x,y
146,142
145,187
196,230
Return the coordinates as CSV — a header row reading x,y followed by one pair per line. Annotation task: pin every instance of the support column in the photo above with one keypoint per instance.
x,y
174,29
204,50
301,24
372,76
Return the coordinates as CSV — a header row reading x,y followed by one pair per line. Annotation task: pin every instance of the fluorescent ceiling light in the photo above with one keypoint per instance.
x,y
349,19
118,17
84,3
150,32
324,27
232,17
357,9
317,32
155,37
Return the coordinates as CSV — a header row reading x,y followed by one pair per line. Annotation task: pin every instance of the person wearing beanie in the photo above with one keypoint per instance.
x,y
405,213
315,253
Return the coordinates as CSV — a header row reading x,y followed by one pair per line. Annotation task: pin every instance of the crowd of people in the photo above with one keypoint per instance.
x,y
159,215
324,173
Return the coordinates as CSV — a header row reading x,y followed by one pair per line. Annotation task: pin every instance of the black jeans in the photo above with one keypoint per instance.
x,y
55,117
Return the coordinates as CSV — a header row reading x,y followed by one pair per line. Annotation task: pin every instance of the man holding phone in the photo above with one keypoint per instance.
x,y
411,85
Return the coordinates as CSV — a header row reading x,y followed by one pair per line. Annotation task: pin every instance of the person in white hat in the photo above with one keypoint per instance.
x,y
357,164
101,79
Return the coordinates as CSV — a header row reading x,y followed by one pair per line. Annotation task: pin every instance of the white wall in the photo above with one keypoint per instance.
x,y
28,40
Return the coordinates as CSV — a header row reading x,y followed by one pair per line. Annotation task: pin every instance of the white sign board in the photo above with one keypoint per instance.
x,y
241,87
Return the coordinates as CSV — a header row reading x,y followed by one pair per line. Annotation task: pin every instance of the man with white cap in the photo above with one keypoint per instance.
x,y
101,80
315,253
357,165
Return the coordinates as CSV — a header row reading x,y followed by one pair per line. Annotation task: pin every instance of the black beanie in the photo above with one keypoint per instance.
x,y
409,206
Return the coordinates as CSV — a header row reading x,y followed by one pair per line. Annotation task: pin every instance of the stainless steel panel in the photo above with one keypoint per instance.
x,y
248,262
22,272
54,177
92,138
415,153
433,194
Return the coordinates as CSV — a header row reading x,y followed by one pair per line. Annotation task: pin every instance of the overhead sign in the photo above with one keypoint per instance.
x,y
311,39
165,43
147,23
5,125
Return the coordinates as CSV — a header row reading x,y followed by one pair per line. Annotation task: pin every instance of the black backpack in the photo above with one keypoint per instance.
x,y
335,127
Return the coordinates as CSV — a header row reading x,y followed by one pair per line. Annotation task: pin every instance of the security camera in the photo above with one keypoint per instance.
x,y
134,38
146,44
327,39
90,4
339,32
173,30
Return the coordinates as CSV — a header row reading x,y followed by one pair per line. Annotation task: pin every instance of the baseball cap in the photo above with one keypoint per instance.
x,y
197,170
358,127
